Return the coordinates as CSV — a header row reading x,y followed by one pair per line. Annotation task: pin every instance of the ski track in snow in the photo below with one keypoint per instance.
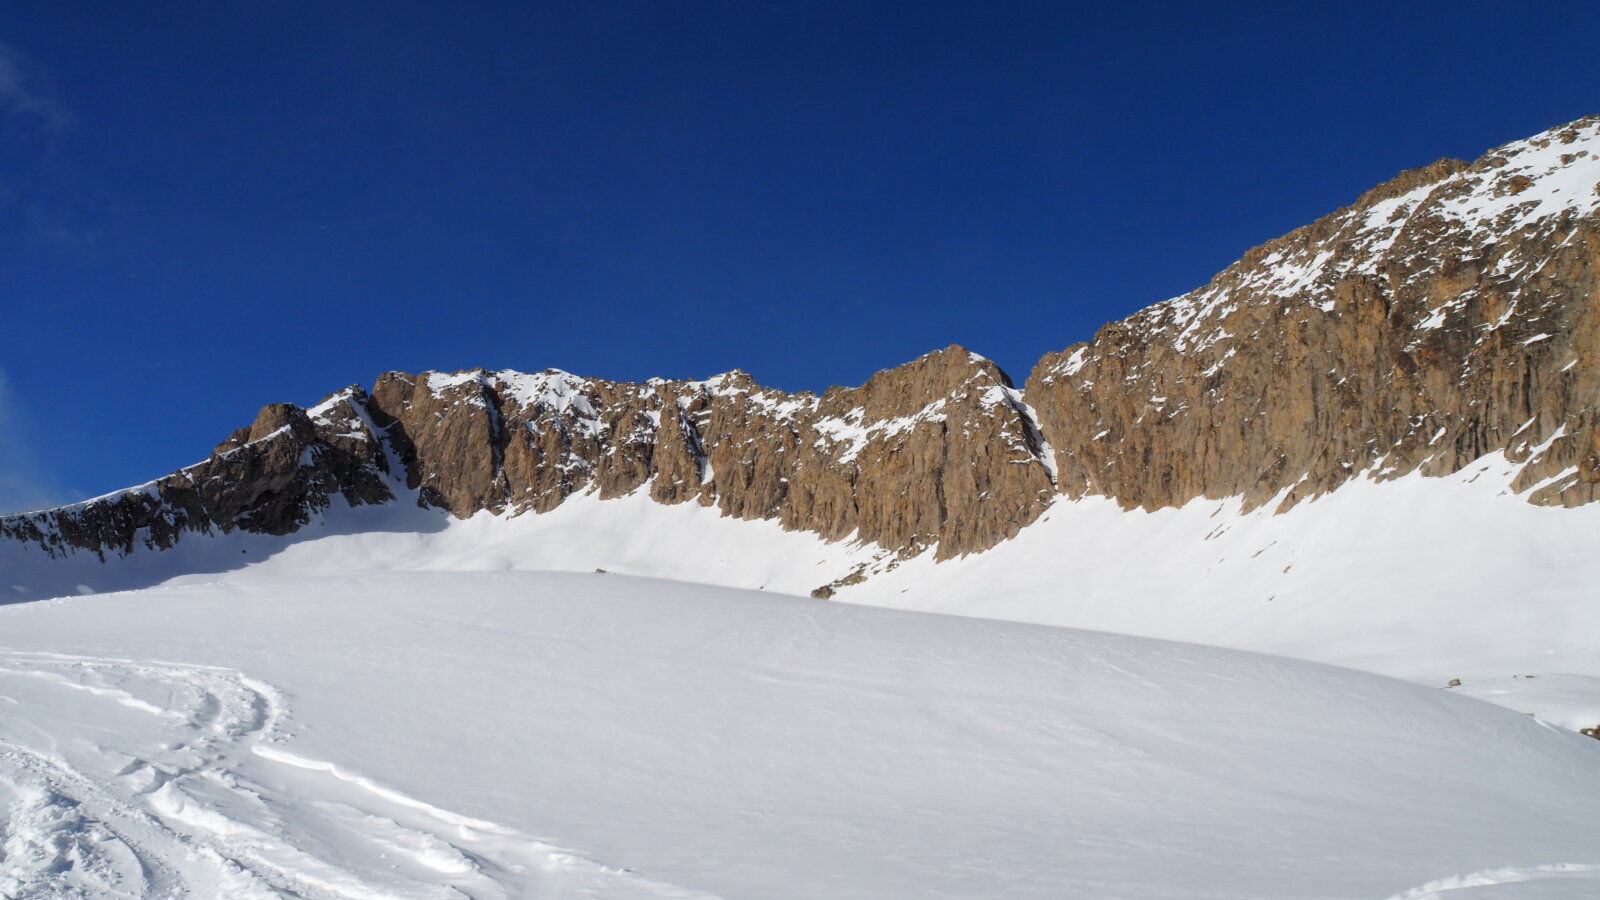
x,y
1555,880
188,791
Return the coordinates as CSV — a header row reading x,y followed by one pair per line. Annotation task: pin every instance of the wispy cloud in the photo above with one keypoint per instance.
x,y
24,483
22,97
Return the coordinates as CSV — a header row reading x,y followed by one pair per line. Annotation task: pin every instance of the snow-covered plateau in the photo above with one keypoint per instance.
x,y
393,703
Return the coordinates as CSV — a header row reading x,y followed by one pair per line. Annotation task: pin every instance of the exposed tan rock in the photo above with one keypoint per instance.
x,y
936,453
1448,313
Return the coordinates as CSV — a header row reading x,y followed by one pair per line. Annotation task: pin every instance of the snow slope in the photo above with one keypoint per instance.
x,y
393,703
631,535
1427,579
561,735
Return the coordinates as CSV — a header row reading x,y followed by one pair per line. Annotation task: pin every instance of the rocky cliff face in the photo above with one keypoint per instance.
x,y
938,453
1449,313
270,477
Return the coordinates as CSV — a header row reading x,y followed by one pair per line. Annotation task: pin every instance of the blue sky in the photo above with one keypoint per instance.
x,y
205,208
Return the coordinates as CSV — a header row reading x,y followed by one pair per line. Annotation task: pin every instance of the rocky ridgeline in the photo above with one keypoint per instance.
x,y
270,477
1447,314
940,452
937,451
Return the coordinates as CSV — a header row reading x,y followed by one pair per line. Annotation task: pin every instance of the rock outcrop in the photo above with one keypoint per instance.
x,y
939,453
1449,313
270,477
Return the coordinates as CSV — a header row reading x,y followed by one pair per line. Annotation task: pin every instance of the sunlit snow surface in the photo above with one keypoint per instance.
x,y
563,735
394,704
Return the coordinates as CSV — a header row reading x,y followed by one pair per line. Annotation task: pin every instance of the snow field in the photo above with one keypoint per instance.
x,y
1427,579
396,704
443,734
138,779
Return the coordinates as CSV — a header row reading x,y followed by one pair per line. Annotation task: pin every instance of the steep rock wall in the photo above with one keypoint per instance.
x,y
1447,314
1451,312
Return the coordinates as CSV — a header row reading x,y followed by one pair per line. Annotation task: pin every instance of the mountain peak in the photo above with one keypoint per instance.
x,y
1451,312
1374,340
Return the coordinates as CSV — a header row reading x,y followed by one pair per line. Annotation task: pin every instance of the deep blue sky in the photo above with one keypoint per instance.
x,y
208,207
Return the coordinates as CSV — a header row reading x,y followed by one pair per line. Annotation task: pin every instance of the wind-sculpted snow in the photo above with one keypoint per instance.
x,y
151,779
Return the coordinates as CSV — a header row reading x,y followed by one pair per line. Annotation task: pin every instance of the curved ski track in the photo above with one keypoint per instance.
x,y
1575,880
140,779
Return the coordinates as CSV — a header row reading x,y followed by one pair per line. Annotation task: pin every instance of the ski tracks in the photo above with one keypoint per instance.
x,y
1553,880
143,779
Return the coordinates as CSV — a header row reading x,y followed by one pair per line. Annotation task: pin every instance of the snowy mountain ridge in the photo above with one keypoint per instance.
x,y
1448,314
493,634
1425,361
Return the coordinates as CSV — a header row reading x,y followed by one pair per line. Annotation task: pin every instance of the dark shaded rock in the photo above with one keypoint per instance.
x,y
269,478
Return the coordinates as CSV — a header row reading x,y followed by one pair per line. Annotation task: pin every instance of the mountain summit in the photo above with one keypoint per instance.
x,y
1449,313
